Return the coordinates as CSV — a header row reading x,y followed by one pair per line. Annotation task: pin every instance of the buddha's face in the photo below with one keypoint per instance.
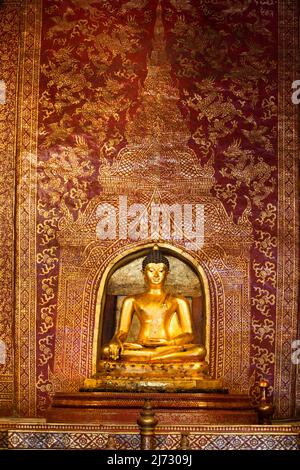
x,y
155,274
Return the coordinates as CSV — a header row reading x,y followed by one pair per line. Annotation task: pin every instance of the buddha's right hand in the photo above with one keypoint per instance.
x,y
115,349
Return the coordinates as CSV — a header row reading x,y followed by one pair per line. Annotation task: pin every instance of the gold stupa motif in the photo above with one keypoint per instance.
x,y
157,154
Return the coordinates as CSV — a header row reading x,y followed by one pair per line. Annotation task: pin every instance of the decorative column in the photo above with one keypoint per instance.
x,y
147,423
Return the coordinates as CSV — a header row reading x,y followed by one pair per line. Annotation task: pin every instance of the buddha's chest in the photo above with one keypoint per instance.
x,y
154,313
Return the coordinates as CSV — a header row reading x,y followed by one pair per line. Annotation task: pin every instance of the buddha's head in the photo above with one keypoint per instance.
x,y
155,267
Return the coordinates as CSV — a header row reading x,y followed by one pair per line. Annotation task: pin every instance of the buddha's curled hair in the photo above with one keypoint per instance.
x,y
155,256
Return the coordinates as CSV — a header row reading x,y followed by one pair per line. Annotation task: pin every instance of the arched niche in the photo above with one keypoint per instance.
x,y
123,276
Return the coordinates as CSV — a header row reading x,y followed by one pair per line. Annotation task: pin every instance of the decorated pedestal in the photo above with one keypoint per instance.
x,y
155,377
123,408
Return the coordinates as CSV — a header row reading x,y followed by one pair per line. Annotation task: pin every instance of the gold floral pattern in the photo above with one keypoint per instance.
x,y
264,330
265,272
263,301
263,359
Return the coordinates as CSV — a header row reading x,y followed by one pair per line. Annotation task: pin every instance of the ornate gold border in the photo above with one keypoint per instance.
x,y
287,268
10,13
211,428
25,335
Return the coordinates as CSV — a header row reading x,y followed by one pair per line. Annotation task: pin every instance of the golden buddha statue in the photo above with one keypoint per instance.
x,y
159,339
163,357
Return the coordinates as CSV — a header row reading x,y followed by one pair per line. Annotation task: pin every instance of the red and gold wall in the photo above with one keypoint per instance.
x,y
91,87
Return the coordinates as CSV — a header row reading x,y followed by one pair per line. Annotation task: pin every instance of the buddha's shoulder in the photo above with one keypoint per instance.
x,y
129,299
180,298
134,298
